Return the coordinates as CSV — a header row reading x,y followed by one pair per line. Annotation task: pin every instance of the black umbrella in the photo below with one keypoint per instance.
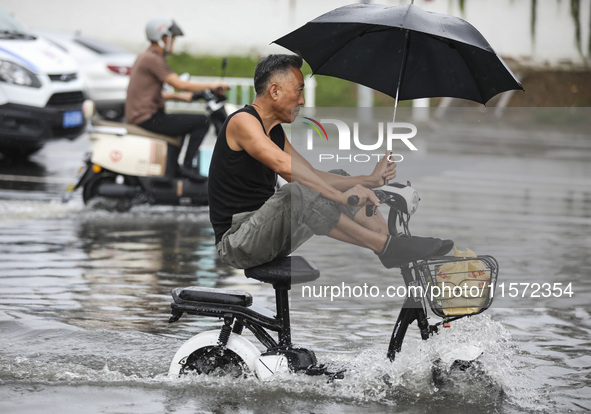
x,y
403,51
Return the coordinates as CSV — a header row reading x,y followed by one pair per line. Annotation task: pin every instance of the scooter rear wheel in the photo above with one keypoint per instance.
x,y
215,361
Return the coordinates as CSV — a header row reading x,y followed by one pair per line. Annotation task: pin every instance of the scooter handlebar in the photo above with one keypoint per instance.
x,y
353,200
382,196
370,210
397,196
210,95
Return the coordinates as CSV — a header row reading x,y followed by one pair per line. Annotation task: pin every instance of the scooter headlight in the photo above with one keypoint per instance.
x,y
413,205
405,197
14,74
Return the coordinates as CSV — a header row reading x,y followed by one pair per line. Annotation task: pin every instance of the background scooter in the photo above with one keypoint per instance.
x,y
128,165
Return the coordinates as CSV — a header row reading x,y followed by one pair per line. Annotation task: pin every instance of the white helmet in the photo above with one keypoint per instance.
x,y
160,26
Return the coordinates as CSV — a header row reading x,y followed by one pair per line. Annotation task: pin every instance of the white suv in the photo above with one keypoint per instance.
x,y
41,94
104,68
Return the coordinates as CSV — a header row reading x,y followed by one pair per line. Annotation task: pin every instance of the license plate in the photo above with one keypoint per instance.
x,y
72,119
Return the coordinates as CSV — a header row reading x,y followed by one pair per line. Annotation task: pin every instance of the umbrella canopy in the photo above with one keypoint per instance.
x,y
403,51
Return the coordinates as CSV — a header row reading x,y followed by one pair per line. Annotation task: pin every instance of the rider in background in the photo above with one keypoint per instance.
x,y
145,101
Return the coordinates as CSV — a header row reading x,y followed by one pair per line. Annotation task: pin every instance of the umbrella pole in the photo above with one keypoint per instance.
x,y
395,105
402,68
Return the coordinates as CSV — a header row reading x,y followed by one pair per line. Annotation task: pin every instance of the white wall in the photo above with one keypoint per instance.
x,y
244,27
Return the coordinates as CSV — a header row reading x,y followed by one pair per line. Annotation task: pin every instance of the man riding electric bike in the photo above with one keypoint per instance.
x,y
145,101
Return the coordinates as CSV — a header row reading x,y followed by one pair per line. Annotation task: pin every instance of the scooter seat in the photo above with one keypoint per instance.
x,y
202,295
136,130
284,271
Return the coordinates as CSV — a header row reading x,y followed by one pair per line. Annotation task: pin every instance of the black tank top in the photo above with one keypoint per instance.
x,y
238,182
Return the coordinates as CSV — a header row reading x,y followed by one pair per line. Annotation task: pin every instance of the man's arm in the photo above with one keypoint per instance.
x,y
343,187
244,132
182,85
383,172
177,96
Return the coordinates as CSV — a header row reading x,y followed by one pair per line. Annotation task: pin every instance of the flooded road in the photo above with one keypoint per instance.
x,y
85,294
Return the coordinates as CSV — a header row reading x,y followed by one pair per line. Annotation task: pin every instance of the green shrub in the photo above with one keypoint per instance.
x,y
329,91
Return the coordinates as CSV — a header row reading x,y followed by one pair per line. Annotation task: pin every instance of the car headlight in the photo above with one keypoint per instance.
x,y
17,75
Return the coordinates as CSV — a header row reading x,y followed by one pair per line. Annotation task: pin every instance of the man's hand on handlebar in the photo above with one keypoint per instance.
x,y
220,87
360,196
185,96
384,171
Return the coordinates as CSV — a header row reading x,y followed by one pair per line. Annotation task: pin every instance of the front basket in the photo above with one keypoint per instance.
x,y
458,286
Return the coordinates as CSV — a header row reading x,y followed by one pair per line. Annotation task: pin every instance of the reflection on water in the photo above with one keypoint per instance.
x,y
146,256
29,171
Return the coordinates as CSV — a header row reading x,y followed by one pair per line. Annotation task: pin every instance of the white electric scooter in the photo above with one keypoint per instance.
x,y
128,165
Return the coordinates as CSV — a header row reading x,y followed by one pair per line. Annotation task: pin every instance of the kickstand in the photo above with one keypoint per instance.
x,y
339,375
322,370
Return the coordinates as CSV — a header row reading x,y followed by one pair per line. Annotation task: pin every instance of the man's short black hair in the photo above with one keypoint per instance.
x,y
272,64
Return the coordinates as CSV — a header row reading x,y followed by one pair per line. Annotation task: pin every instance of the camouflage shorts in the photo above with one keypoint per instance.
x,y
289,218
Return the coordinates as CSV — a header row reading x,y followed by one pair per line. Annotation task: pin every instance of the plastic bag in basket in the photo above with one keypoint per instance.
x,y
470,278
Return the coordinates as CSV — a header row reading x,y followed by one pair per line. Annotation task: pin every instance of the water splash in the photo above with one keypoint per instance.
x,y
501,379
11,210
